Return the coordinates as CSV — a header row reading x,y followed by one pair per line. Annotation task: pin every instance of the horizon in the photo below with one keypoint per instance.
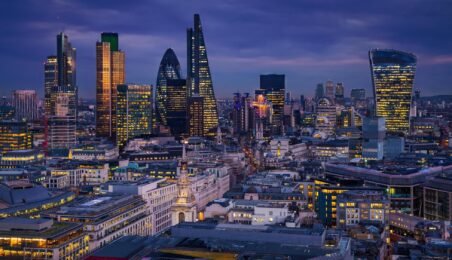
x,y
333,45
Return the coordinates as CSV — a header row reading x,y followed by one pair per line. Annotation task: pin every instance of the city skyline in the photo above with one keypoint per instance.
x,y
308,50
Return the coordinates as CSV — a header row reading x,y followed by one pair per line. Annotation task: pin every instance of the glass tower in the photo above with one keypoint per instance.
x,y
273,87
50,80
169,70
176,106
198,76
392,78
110,72
134,111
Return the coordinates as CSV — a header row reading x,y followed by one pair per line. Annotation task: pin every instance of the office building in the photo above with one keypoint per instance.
x,y
199,78
107,217
242,113
175,111
326,116
356,207
50,80
339,94
6,112
23,238
134,111
110,72
437,198
61,95
169,70
358,94
25,103
273,89
373,138
196,115
392,78
14,136
319,91
63,120
329,89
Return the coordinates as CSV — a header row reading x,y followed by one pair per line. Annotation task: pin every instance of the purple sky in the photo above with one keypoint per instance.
x,y
309,41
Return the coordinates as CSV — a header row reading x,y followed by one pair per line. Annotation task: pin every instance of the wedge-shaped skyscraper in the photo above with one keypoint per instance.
x,y
199,78
392,78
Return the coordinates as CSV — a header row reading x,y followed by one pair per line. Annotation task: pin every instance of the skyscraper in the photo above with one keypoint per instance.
x,y
14,136
339,95
326,116
329,89
110,72
176,106
50,80
134,111
169,69
392,78
273,86
319,91
25,103
199,79
358,94
63,122
242,113
195,115
61,94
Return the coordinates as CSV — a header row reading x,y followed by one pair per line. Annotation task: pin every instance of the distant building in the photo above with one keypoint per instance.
x,y
392,77
339,94
319,91
242,113
63,117
326,116
176,106
273,87
195,115
25,103
373,138
134,112
329,89
6,112
14,136
50,80
358,94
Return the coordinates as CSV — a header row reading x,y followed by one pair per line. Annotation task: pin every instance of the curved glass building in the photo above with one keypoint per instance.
x,y
392,78
169,69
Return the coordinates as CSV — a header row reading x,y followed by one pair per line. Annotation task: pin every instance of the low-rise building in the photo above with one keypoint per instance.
x,y
23,238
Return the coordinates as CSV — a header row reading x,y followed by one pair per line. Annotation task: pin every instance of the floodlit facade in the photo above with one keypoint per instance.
x,y
134,111
25,103
198,76
110,72
392,77
169,70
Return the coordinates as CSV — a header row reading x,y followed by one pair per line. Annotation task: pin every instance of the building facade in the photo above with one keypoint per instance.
x,y
392,78
25,103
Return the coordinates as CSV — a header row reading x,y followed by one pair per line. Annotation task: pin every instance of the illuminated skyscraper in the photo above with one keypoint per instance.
x,y
176,106
25,103
196,115
134,111
199,78
273,87
110,72
392,77
61,95
50,80
326,116
169,69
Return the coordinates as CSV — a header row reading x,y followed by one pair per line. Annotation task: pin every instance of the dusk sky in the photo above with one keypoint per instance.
x,y
308,41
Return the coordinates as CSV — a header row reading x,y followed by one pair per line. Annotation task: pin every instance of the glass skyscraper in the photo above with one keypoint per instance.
x,y
110,72
176,106
134,112
169,70
61,95
392,78
274,88
199,78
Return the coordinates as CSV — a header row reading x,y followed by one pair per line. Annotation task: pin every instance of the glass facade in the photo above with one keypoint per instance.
x,y
273,87
134,111
176,105
392,77
110,72
14,136
50,80
199,78
195,115
169,70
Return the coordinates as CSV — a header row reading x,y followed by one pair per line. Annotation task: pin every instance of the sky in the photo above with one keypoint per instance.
x,y
309,41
